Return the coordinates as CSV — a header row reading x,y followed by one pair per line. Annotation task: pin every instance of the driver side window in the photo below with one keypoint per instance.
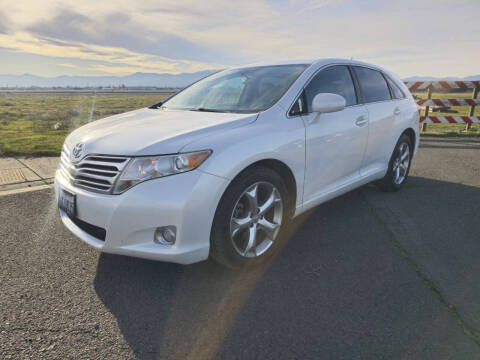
x,y
335,80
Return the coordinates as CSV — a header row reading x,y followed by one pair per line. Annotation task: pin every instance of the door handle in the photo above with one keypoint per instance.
x,y
361,120
397,111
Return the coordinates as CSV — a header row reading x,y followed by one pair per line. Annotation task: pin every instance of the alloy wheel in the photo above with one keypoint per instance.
x,y
256,219
401,163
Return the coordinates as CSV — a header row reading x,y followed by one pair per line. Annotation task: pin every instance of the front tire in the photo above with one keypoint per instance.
x,y
249,218
399,166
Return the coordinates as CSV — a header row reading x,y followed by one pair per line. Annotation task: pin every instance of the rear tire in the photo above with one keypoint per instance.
x,y
251,214
398,166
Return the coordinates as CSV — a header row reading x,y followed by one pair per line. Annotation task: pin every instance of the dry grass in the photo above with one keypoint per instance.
x,y
27,119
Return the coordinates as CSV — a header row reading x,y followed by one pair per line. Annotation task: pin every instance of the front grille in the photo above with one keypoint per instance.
x,y
94,172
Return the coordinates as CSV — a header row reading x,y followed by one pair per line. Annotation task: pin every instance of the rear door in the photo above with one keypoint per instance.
x,y
381,111
335,142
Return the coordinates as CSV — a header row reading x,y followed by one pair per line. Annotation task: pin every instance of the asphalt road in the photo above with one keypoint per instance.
x,y
366,276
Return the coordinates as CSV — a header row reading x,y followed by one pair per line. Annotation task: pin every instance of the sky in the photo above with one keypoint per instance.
x,y
91,37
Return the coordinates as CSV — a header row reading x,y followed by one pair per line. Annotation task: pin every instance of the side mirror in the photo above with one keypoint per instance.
x,y
326,103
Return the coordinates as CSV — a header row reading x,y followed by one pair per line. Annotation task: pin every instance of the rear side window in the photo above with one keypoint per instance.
x,y
336,80
397,93
373,85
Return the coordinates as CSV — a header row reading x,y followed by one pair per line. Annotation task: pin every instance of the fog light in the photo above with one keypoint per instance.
x,y
165,235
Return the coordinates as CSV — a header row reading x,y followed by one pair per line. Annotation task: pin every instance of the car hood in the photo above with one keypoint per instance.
x,y
152,131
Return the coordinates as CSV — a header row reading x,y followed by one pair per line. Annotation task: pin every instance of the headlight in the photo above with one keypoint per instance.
x,y
145,168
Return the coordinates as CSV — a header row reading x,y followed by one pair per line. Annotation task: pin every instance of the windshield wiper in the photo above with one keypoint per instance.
x,y
207,110
156,106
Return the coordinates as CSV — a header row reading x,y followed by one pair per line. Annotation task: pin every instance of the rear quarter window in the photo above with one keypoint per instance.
x,y
397,93
372,84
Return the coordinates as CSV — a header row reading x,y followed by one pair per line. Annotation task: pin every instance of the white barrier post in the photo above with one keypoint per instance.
x,y
468,126
427,108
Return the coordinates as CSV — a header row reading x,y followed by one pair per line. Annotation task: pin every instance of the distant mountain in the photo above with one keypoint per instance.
x,y
133,80
141,80
472,78
429,78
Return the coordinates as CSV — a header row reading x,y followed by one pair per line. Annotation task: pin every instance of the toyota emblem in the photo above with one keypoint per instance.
x,y
78,152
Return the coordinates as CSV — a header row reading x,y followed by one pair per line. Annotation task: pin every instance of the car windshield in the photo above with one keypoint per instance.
x,y
245,90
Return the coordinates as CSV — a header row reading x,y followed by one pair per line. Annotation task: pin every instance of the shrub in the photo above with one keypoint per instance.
x,y
72,113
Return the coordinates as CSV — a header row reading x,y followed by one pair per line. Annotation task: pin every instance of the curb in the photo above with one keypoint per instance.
x,y
25,189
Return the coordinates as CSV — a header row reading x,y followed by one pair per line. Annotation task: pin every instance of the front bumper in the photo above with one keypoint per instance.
x,y
187,201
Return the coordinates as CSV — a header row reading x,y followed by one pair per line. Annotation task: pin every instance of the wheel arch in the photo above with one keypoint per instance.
x,y
411,134
285,173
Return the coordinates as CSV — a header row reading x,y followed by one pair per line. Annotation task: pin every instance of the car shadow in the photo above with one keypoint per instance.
x,y
174,311
336,273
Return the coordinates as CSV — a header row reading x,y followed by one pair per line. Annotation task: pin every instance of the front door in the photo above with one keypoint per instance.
x,y
335,142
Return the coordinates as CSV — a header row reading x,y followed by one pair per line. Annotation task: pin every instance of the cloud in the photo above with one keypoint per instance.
x,y
120,30
68,65
116,56
172,9
433,37
3,23
309,6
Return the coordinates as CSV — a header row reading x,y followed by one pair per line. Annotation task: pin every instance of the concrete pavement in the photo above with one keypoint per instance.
x,y
25,172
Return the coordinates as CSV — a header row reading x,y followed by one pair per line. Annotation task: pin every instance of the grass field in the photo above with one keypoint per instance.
x,y
27,119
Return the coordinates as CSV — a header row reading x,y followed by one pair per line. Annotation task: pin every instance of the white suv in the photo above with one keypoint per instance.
x,y
219,168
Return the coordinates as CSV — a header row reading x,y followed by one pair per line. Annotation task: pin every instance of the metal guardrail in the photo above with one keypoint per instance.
x,y
429,101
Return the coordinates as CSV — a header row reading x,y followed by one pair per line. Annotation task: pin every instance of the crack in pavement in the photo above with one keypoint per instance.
x,y
28,167
469,331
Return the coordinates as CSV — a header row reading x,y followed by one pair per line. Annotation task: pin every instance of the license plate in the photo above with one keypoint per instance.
x,y
66,202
